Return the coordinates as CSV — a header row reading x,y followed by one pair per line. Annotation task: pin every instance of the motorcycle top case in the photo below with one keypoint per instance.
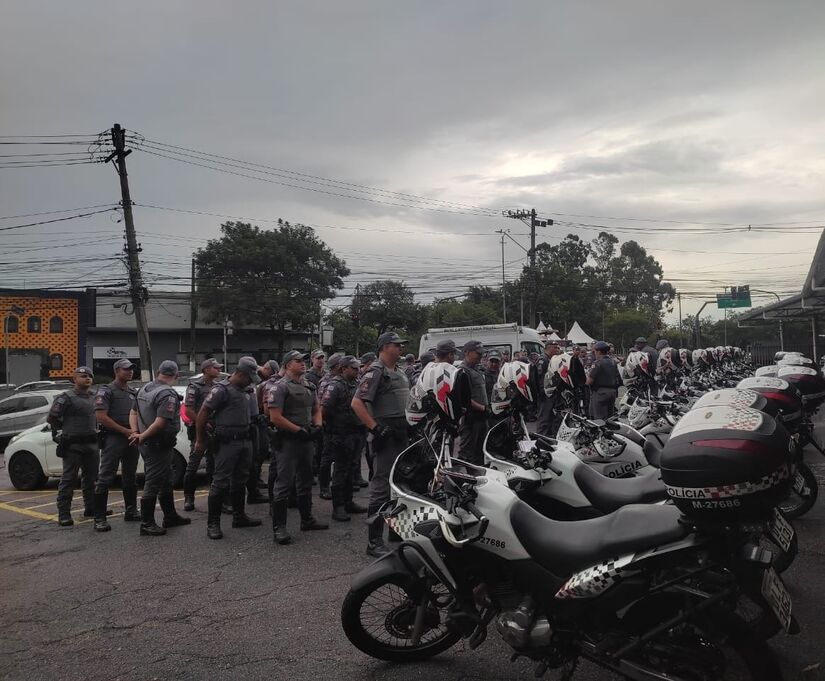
x,y
737,397
809,382
767,371
727,464
780,392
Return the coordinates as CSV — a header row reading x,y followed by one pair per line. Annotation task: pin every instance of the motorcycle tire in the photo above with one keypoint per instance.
x,y
716,630
399,611
798,504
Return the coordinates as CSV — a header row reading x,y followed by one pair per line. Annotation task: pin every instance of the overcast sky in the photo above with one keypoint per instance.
x,y
665,111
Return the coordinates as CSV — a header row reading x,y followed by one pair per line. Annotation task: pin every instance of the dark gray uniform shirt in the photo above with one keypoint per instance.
x,y
196,393
158,399
385,391
478,387
295,399
76,412
230,406
605,374
117,402
337,404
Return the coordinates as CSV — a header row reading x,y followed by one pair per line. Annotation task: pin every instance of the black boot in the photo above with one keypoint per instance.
x,y
170,515
148,527
375,545
339,511
279,511
308,523
226,508
64,519
349,505
101,525
189,484
213,518
130,502
239,518
254,496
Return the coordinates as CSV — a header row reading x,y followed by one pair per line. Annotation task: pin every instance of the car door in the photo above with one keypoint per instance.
x,y
34,410
9,416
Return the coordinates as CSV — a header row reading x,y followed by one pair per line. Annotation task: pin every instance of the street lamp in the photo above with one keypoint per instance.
x,y
14,310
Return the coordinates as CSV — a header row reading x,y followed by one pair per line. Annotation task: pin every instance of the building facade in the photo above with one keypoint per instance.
x,y
44,333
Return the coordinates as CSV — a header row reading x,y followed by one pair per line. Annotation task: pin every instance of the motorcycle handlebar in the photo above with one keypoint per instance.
x,y
483,521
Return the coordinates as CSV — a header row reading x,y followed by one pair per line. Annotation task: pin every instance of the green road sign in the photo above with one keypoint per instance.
x,y
739,296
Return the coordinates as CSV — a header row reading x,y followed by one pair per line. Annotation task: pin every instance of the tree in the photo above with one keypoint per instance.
x,y
274,278
388,304
636,282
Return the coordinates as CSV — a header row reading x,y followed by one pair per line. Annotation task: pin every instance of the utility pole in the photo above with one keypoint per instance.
x,y
136,288
524,215
355,314
679,298
320,326
503,280
193,316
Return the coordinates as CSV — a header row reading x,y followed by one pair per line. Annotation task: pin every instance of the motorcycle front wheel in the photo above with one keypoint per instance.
x,y
389,620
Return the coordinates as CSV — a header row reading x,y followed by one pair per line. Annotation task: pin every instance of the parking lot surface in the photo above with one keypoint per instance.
x,y
82,605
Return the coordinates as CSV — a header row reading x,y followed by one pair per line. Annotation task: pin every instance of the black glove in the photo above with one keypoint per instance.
x,y
314,432
380,432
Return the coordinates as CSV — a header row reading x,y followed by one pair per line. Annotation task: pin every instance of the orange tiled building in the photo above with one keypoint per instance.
x,y
51,327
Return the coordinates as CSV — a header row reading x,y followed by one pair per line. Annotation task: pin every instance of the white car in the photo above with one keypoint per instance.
x,y
21,411
31,458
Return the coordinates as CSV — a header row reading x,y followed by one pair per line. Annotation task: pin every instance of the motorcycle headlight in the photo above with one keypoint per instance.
x,y
15,438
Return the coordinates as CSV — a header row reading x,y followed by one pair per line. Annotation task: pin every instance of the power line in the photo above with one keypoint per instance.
x,y
55,212
47,222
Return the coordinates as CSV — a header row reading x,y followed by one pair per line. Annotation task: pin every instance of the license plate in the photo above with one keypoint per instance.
x,y
799,485
781,530
778,597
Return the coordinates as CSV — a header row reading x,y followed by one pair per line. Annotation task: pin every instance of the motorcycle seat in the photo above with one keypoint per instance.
x,y
609,494
653,453
565,548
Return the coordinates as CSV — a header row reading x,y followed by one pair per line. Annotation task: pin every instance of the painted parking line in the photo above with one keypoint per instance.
x,y
24,511
39,496
114,503
20,491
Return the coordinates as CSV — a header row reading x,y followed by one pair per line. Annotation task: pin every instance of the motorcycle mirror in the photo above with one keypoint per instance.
x,y
599,423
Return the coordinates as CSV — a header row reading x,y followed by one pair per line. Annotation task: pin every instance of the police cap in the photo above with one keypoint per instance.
x,y
293,355
389,338
123,364
168,368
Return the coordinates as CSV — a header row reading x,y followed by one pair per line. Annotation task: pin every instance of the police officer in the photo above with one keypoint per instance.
x,y
546,404
227,405
73,412
409,366
380,403
604,381
473,425
491,372
317,371
272,434
366,362
425,359
344,436
324,455
113,403
267,373
293,410
256,417
196,393
155,421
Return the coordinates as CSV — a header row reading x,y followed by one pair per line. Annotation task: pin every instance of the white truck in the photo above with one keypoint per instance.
x,y
505,338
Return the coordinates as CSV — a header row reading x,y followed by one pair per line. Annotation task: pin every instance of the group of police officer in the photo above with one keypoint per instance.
x,y
309,420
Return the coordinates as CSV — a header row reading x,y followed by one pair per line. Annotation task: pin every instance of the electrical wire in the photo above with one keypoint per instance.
x,y
47,222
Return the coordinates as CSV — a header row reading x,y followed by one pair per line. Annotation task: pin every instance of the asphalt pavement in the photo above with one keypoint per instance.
x,y
75,604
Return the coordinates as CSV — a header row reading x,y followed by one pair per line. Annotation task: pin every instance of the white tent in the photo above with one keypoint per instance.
x,y
554,337
578,335
541,328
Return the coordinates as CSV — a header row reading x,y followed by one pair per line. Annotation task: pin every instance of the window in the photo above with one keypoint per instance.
x,y
34,402
11,405
56,325
33,324
12,324
56,362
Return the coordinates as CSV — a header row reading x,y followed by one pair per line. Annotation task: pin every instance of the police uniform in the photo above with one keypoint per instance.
x,y
604,384
385,392
75,411
546,404
322,462
314,375
264,390
230,407
491,377
158,399
196,393
345,437
473,425
253,495
297,401
116,401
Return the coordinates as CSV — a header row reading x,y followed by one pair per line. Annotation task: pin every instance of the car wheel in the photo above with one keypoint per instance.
x,y
25,471
178,469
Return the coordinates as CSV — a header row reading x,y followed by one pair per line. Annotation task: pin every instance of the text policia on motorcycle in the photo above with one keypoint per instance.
x,y
583,505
